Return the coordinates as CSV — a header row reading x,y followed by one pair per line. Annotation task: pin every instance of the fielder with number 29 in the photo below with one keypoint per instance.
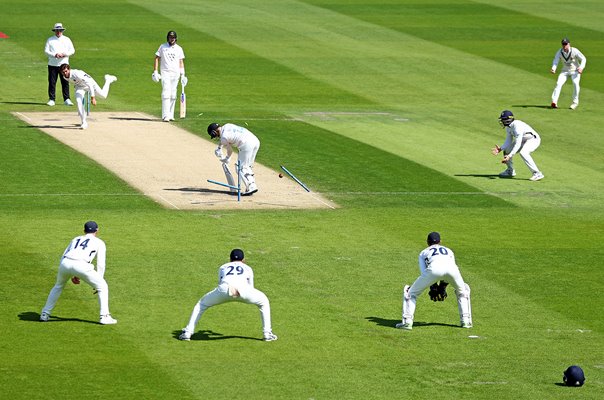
x,y
235,283
436,262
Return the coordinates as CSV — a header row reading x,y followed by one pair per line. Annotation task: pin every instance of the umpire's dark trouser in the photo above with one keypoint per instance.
x,y
53,74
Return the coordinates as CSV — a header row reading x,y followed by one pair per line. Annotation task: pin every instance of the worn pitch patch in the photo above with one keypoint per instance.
x,y
167,163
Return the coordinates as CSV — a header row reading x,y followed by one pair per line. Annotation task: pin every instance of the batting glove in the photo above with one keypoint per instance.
x,y
184,80
156,76
225,160
218,153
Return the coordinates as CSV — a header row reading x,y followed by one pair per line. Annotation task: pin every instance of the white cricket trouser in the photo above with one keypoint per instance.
x,y
247,157
447,273
525,152
169,86
562,78
85,271
221,294
80,94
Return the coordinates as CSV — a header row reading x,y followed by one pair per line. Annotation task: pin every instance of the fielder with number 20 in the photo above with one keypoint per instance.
x,y
436,262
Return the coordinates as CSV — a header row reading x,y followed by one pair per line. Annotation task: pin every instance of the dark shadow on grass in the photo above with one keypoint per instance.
x,y
532,106
383,322
391,323
202,190
486,176
23,102
211,335
31,316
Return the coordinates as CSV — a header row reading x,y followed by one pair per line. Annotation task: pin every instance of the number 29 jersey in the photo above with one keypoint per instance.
x,y
236,273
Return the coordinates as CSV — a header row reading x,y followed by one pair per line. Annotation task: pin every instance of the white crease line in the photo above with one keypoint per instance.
x,y
23,115
167,201
321,201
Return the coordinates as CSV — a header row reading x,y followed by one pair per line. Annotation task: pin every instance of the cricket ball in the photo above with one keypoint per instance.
x,y
280,175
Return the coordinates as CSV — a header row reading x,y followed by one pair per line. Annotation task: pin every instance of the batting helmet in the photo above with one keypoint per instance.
x,y
573,376
171,34
433,238
506,118
212,129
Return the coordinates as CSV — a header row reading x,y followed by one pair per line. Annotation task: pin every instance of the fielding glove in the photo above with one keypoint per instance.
x,y
442,291
433,293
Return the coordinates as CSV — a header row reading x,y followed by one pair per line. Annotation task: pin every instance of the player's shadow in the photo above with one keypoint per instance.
x,y
202,190
391,323
31,316
75,126
135,119
531,106
211,335
484,176
23,102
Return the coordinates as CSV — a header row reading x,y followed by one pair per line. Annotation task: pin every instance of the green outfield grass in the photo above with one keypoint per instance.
x,y
389,108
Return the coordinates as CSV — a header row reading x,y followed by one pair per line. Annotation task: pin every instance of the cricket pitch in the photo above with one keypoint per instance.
x,y
167,163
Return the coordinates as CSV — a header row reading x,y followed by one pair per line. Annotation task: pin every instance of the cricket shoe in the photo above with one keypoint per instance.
x,y
537,176
574,106
44,316
554,105
68,102
270,336
184,335
508,173
466,324
50,103
110,78
84,125
250,192
404,325
107,319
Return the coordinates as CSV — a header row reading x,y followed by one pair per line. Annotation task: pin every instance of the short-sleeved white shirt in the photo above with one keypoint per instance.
x,y
236,273
170,57
235,135
86,248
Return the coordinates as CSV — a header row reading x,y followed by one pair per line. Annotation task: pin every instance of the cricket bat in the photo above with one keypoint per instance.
x,y
183,102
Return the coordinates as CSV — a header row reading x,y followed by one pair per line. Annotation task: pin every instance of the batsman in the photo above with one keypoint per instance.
x,y
231,135
170,59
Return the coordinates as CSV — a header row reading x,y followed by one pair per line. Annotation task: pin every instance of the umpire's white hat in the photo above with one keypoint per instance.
x,y
58,27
